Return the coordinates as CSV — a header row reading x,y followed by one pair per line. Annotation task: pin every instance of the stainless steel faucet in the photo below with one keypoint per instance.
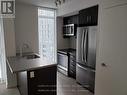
x,y
23,47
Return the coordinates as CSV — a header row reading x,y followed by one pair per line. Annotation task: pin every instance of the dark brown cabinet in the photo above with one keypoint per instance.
x,y
38,82
70,26
72,66
70,20
89,16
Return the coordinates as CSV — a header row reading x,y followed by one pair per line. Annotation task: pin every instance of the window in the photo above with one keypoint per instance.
x,y
47,33
2,54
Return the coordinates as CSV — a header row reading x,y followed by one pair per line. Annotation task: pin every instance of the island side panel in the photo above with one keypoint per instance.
x,y
22,82
42,81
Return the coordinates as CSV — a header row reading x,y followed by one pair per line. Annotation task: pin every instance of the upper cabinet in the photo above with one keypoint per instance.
x,y
86,17
71,20
70,26
89,16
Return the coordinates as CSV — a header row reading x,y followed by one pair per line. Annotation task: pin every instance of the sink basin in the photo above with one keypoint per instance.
x,y
31,56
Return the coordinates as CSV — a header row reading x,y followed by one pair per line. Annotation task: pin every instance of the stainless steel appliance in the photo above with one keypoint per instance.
x,y
62,59
86,56
69,30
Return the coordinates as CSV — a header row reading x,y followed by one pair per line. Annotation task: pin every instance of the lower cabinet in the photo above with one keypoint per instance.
x,y
72,66
38,82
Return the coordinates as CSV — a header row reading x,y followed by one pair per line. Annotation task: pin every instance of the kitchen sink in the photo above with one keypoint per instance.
x,y
31,56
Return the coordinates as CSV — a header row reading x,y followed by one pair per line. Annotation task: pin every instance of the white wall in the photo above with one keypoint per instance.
x,y
9,33
9,37
26,26
75,5
73,42
62,43
112,49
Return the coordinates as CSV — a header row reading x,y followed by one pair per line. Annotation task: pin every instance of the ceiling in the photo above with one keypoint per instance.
x,y
44,3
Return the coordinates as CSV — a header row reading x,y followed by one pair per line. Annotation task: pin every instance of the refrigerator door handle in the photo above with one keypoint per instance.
x,y
86,49
86,68
82,46
81,67
85,46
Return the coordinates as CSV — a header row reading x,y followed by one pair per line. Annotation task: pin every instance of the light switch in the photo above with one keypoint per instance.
x,y
32,74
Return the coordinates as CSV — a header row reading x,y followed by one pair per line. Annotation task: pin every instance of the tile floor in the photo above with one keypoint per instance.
x,y
65,86
68,86
4,91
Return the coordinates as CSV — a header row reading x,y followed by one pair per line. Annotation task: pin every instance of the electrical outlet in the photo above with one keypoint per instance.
x,y
32,75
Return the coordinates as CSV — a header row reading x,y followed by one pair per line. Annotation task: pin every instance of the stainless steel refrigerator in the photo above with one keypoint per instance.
x,y
86,56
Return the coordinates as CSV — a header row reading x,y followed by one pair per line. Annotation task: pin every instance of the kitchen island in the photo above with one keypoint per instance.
x,y
35,76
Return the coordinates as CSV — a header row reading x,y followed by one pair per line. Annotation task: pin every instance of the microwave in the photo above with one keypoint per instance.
x,y
69,30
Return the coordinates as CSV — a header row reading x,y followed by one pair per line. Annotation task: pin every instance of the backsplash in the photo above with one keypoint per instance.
x,y
73,42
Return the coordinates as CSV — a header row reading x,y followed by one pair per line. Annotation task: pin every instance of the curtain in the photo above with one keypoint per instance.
x,y
2,54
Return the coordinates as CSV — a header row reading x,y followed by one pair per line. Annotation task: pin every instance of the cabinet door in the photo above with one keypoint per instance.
x,y
111,72
22,82
72,67
88,16
83,17
42,81
93,19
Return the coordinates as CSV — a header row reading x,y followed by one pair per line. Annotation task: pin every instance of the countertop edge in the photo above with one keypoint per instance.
x,y
9,66
34,68
28,69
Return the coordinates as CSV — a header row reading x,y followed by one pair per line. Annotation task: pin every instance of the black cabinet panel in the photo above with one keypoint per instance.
x,y
67,29
72,67
22,82
71,20
83,17
88,16
38,82
43,83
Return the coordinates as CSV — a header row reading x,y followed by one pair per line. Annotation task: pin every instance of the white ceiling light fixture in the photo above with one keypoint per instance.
x,y
59,2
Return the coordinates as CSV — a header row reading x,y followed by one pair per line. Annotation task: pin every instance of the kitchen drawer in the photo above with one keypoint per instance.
x,y
73,67
86,77
72,74
72,71
72,62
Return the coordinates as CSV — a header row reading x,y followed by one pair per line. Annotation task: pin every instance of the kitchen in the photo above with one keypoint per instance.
x,y
81,30
93,71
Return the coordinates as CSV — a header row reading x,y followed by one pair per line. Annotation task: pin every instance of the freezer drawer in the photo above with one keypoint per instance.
x,y
85,77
